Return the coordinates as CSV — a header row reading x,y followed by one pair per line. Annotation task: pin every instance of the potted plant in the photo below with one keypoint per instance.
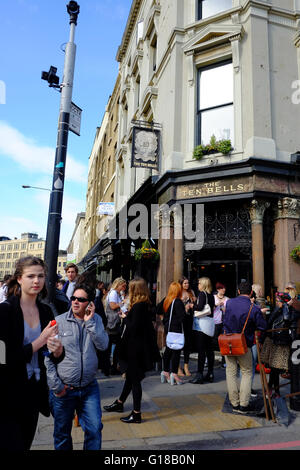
x,y
223,146
146,252
295,254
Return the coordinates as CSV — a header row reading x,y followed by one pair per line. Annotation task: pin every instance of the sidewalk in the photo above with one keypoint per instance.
x,y
172,415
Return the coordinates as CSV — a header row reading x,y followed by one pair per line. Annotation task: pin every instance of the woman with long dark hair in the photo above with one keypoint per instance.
x,y
25,331
138,349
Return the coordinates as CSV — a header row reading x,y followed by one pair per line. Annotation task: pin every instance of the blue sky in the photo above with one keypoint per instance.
x,y
31,35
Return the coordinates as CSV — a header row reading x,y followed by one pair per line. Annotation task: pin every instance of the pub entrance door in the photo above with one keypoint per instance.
x,y
229,272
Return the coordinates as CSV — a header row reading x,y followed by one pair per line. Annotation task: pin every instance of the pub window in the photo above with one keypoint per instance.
x,y
215,114
206,8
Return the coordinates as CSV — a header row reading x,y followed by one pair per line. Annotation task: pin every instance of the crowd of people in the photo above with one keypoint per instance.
x,y
54,352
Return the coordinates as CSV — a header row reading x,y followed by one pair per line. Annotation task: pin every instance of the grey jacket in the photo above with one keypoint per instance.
x,y
80,364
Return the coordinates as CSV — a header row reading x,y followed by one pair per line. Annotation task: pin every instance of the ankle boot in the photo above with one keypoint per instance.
x,y
115,406
198,379
186,370
132,418
209,377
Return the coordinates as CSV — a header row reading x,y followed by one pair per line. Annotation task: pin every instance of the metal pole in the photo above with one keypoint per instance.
x,y
56,196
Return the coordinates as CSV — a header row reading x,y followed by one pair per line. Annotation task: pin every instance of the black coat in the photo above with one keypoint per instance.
x,y
178,315
13,374
138,347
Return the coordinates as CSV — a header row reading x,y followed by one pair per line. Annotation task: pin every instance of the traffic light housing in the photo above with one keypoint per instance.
x,y
51,77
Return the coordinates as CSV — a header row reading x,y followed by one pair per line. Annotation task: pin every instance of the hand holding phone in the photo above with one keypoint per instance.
x,y
89,311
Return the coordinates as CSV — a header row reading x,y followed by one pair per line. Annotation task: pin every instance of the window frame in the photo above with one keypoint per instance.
x,y
200,111
199,9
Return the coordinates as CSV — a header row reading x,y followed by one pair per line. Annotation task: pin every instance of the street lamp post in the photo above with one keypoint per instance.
x,y
56,196
35,187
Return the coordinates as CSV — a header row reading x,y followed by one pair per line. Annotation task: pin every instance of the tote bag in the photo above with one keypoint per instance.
x,y
174,340
204,312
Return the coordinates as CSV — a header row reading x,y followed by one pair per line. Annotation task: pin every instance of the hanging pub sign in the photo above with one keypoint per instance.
x,y
145,148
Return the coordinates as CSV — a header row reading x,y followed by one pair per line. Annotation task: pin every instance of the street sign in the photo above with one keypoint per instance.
x,y
75,119
106,208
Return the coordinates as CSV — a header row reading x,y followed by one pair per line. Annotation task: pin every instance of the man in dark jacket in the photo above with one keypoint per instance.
x,y
235,316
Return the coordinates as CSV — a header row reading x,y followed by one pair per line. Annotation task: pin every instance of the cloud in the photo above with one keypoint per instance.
x,y
31,156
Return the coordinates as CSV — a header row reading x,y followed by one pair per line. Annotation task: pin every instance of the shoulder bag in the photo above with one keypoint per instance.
x,y
234,344
205,311
174,340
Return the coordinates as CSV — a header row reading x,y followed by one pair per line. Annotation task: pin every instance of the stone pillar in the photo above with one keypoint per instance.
x,y
178,243
165,273
257,211
286,237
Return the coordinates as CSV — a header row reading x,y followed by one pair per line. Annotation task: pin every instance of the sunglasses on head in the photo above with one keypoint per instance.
x,y
80,299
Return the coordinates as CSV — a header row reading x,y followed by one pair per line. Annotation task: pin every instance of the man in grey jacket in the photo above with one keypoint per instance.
x,y
72,382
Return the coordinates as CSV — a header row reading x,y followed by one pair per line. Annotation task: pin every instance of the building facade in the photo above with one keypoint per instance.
x,y
201,72
28,245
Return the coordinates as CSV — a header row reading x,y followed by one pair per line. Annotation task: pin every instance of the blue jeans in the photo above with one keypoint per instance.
x,y
86,402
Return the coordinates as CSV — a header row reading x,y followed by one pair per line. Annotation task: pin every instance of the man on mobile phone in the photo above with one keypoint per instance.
x,y
72,383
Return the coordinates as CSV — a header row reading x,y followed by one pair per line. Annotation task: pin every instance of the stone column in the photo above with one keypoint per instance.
x,y
178,243
286,237
165,273
257,211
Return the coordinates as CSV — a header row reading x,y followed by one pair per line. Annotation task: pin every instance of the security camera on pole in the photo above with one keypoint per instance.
x,y
56,197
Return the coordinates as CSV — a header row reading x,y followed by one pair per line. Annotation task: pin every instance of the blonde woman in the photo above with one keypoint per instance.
x,y
138,349
203,342
113,313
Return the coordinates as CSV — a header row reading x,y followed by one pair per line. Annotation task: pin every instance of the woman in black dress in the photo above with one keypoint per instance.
x,y
25,331
138,349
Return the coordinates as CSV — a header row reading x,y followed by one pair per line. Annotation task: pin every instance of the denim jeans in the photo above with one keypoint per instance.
x,y
86,402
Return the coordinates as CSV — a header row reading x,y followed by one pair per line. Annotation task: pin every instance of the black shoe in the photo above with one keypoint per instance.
x,y
115,406
115,371
132,418
253,393
209,378
244,409
235,408
198,379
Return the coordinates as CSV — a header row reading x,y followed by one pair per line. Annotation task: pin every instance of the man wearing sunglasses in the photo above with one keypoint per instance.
x,y
72,383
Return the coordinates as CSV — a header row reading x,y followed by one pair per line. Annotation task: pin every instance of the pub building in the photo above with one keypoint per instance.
x,y
251,223
199,72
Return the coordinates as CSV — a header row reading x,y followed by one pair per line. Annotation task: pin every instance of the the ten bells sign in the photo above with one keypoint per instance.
x,y
215,188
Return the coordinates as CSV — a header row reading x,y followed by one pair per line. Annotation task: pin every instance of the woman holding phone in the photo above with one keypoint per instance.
x,y
25,331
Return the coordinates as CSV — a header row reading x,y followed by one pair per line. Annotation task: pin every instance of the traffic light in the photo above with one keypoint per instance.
x,y
51,77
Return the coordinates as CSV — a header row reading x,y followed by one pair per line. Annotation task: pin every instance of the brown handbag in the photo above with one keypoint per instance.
x,y
234,344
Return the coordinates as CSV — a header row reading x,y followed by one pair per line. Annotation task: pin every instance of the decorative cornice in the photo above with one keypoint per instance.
x,y
133,14
257,210
213,35
288,208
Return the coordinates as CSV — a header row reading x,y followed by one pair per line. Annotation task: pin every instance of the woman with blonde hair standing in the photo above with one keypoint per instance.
x,y
138,349
204,341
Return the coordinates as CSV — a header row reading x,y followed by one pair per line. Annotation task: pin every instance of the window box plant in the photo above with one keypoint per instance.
x,y
223,146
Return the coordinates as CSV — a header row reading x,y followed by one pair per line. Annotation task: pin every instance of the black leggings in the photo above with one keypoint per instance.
x,y
274,379
204,348
135,386
171,356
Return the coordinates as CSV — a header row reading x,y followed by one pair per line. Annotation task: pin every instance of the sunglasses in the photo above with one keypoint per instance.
x,y
80,299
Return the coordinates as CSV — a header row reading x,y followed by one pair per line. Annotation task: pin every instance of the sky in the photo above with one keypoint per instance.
x,y
32,35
